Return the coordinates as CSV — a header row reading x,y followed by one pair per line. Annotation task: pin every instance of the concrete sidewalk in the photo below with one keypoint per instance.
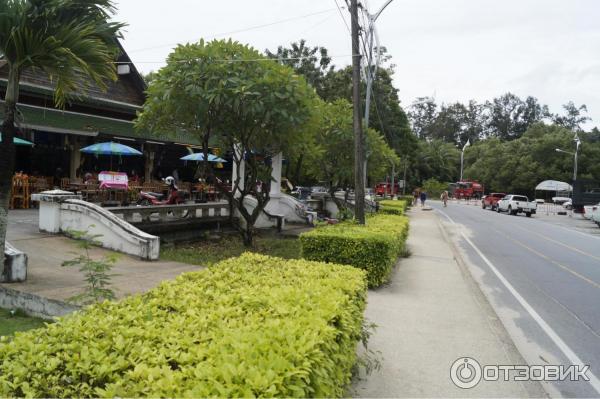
x,y
429,315
46,278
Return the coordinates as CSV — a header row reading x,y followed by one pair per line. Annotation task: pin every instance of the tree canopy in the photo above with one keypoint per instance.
x,y
229,92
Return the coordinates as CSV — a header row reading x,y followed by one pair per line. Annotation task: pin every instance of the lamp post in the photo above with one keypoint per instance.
x,y
577,145
370,72
462,158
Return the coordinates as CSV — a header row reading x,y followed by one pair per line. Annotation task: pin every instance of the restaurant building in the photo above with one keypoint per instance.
x,y
91,116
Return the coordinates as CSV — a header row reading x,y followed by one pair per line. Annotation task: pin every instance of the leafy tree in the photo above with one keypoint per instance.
x,y
574,117
422,114
332,158
70,40
254,108
436,159
311,62
517,166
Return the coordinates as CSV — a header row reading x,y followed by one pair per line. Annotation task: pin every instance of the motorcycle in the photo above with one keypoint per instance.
x,y
175,196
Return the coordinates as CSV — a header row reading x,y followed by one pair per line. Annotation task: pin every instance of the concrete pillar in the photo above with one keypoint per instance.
x,y
276,162
75,160
49,214
238,152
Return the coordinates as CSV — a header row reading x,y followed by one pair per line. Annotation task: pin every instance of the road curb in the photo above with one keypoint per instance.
x,y
533,389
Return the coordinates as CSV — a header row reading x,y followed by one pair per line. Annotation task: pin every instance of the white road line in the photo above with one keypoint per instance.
x,y
565,349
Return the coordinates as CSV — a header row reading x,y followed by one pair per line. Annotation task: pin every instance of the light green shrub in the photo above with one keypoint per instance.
x,y
393,207
248,326
374,247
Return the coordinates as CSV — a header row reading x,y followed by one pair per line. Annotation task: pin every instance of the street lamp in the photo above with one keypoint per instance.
x,y
577,144
462,158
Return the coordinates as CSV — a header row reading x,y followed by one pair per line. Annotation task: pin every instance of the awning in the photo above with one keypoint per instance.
x,y
553,185
68,122
19,141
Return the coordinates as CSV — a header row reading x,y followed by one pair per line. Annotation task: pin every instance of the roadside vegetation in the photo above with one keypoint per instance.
x,y
208,252
249,326
12,321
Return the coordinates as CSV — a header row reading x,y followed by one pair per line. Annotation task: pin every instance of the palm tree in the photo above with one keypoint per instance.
x,y
70,40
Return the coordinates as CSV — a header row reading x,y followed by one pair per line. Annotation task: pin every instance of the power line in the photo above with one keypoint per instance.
x,y
241,30
342,15
232,60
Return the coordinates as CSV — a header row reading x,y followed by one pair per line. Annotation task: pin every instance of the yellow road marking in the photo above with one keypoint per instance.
x,y
541,255
560,243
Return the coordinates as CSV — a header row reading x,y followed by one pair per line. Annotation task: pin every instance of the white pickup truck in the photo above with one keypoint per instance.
x,y
514,204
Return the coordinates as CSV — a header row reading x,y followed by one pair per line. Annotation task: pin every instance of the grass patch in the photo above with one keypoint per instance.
x,y
209,252
19,321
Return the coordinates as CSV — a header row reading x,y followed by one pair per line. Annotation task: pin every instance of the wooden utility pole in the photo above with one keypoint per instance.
x,y
359,150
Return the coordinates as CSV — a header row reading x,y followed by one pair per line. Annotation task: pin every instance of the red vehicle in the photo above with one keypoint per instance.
x,y
466,189
491,200
385,188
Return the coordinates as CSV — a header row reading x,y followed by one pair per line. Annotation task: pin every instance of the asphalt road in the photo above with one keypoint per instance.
x,y
543,280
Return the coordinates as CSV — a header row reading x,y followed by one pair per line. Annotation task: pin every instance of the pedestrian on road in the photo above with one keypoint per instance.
x,y
416,193
423,198
444,198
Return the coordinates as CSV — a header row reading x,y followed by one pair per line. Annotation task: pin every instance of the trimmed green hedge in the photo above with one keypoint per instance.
x,y
393,207
374,247
407,198
248,326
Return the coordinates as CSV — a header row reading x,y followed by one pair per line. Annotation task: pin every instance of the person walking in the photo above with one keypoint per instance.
x,y
416,194
444,198
423,198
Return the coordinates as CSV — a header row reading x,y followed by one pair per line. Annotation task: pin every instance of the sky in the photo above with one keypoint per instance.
x,y
453,50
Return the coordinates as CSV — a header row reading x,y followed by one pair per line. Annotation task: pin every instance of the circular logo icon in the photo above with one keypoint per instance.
x,y
465,372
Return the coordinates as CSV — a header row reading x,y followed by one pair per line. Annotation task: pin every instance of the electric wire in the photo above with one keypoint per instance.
x,y
342,15
241,30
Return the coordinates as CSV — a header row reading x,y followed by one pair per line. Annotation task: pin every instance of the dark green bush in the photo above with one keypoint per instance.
x,y
374,247
248,326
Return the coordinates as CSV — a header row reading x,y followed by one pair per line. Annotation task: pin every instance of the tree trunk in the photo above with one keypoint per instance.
x,y
7,153
298,169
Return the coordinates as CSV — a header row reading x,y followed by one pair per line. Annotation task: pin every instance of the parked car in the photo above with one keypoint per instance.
x,y
560,200
596,215
318,189
589,210
301,193
491,200
515,204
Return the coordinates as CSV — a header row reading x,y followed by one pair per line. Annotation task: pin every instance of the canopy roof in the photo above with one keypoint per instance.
x,y
553,185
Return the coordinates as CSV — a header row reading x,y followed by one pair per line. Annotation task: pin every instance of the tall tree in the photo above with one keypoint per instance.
x,y
573,118
311,62
422,114
253,108
70,40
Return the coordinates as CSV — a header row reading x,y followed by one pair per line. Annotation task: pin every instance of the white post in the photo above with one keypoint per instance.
x,y
462,155
276,162
238,155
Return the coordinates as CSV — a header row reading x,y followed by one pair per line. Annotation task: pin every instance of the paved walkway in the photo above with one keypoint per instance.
x,y
429,315
47,278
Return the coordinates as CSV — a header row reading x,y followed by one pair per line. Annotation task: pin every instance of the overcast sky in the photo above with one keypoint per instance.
x,y
454,50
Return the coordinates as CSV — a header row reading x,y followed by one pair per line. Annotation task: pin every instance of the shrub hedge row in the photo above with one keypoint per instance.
x,y
393,207
248,326
374,247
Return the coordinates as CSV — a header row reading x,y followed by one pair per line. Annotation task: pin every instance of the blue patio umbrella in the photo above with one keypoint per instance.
x,y
110,148
18,141
199,156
